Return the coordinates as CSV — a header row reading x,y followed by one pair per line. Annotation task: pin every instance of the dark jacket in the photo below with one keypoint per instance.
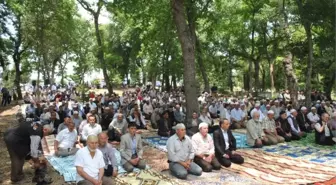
x,y
285,126
302,119
163,130
220,143
320,136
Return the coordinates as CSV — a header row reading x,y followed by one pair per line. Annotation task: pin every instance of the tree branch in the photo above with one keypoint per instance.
x,y
86,6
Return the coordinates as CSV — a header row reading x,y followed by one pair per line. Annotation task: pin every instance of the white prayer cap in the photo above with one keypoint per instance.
x,y
318,101
242,104
179,126
292,111
313,108
236,103
270,112
276,101
110,103
323,102
75,112
303,108
257,105
203,124
268,105
75,106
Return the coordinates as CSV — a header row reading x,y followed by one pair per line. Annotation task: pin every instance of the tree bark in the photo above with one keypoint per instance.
x,y
188,51
291,78
201,65
230,75
256,76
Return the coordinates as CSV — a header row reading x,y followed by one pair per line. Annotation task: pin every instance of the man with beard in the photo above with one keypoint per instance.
x,y
117,128
107,118
111,167
90,164
303,120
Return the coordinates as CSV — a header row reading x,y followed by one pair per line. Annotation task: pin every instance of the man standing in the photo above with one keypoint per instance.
x,y
90,164
225,145
65,141
111,167
22,140
181,154
204,149
131,149
270,129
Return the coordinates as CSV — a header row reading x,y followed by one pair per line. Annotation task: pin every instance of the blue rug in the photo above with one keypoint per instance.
x,y
309,153
66,166
161,142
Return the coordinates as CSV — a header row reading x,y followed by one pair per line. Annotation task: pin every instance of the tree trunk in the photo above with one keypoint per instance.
x,y
309,65
174,81
101,55
188,51
271,65
256,76
201,65
291,78
230,75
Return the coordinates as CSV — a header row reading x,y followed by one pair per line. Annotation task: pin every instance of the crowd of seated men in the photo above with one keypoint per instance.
x,y
107,120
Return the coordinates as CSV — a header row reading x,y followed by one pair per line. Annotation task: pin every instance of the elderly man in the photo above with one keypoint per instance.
x,y
303,120
117,128
111,167
255,134
257,109
237,117
178,114
269,128
22,141
283,127
65,141
297,134
131,149
225,145
92,128
181,154
76,119
204,149
333,124
90,164
64,125
193,125
323,135
313,116
276,109
165,127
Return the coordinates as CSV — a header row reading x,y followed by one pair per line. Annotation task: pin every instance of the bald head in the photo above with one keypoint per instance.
x,y
92,143
102,139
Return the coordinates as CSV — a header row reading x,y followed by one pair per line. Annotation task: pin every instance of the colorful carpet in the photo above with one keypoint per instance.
x,y
310,141
160,142
146,177
309,153
276,169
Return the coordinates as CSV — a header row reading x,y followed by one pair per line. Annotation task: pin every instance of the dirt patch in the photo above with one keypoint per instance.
x,y
8,120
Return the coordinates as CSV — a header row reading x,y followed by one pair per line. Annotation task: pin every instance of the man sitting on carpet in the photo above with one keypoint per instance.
x,y
283,127
117,128
108,151
63,125
269,129
204,149
181,154
323,135
92,128
131,149
225,145
255,135
65,141
297,134
90,164
165,125
193,125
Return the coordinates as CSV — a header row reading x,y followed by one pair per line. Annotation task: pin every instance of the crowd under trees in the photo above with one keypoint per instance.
x,y
239,45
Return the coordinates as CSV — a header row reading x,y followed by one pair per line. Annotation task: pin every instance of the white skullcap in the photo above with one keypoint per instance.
x,y
313,108
203,124
303,108
270,112
276,101
75,112
292,111
323,102
318,101
268,105
236,103
257,105
179,126
75,106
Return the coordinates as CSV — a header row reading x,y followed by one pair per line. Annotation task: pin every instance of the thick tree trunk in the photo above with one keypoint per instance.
x,y
271,65
230,75
256,76
188,51
291,78
101,58
309,65
201,65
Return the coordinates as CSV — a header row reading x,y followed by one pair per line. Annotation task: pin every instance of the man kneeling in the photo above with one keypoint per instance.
x,y
65,141
90,164
204,149
181,154
131,149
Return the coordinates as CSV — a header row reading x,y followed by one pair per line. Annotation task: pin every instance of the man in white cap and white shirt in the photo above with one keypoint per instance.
x,y
181,154
269,128
257,109
313,116
204,149
296,131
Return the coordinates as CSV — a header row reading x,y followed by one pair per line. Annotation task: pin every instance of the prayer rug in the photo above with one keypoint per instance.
x,y
66,165
146,177
276,169
161,142
309,153
310,141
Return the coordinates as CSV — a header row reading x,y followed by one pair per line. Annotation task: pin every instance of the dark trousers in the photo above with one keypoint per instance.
x,y
283,134
206,166
109,171
324,140
6,99
233,158
113,135
17,153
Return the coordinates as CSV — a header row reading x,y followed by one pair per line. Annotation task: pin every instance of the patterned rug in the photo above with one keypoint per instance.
x,y
276,169
161,142
309,153
146,177
310,141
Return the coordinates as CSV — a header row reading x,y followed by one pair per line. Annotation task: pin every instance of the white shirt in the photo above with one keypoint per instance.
x,y
313,118
148,109
261,114
213,109
237,114
202,145
48,115
91,130
326,129
66,139
226,138
224,113
90,165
